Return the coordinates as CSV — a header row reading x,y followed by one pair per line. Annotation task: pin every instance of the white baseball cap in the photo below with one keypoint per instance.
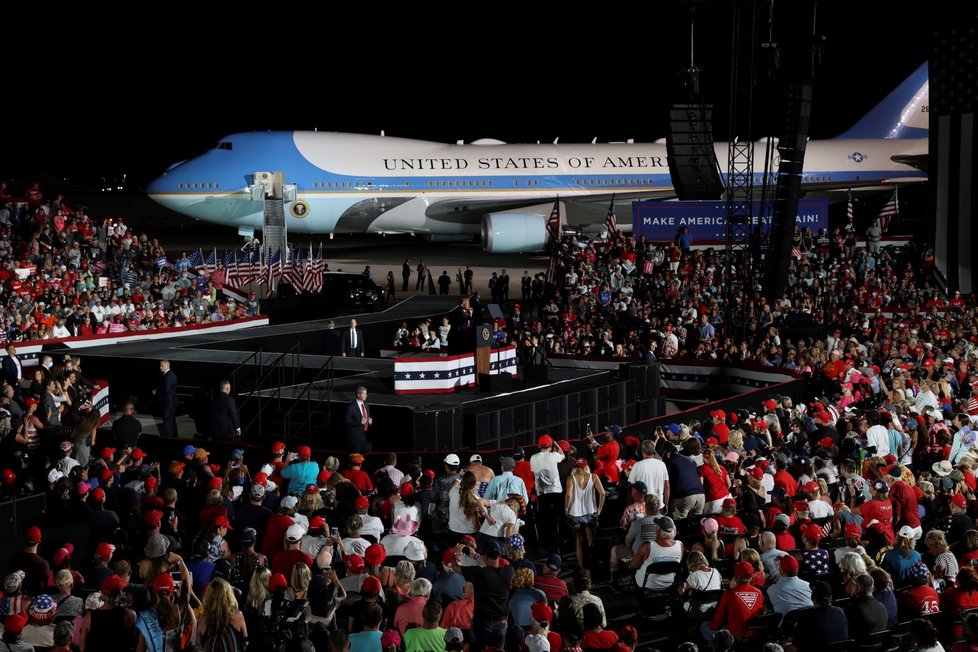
x,y
295,532
414,551
289,502
475,458
452,460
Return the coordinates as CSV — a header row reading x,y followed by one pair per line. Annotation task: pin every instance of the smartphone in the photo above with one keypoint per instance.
x,y
334,531
177,579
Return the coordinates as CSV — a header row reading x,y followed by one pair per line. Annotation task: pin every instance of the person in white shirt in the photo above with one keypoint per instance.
x,y
877,435
550,495
653,472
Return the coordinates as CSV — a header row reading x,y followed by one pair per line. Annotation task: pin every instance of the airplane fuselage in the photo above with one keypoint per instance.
x,y
375,184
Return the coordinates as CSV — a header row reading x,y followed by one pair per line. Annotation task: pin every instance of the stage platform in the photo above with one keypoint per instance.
x,y
288,386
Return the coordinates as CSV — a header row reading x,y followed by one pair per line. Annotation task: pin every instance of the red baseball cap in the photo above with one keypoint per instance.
x,y
151,482
729,502
222,521
277,581
98,495
958,500
137,454
113,584
163,584
354,563
107,453
541,612
153,518
826,442
800,506
324,476
362,502
811,487
375,554
370,586
407,489
853,530
215,483
32,535
15,624
278,448
312,489
743,570
770,404
104,551
304,451
317,523
813,532
788,564
448,556
564,445
545,440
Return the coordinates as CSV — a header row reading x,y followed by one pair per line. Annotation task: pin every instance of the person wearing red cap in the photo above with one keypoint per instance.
x,y
789,592
550,494
960,521
36,567
103,628
815,560
355,474
169,615
852,534
301,471
738,604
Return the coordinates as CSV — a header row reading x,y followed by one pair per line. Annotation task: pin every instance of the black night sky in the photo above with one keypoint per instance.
x,y
90,96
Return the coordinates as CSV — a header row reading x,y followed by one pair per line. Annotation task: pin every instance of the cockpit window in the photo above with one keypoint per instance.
x,y
224,145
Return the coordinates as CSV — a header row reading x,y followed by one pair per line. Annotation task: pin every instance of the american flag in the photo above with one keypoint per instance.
x,y
231,274
553,222
313,281
210,263
612,220
849,214
196,259
890,209
274,271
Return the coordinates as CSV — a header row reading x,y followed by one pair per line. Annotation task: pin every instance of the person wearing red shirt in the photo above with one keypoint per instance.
x,y
716,482
738,604
904,501
784,479
359,478
523,470
278,524
920,598
879,509
284,562
958,598
607,455
729,522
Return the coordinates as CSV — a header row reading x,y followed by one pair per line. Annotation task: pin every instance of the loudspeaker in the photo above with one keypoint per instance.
x,y
495,383
692,159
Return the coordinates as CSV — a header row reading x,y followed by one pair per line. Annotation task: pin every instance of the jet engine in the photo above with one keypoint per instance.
x,y
513,232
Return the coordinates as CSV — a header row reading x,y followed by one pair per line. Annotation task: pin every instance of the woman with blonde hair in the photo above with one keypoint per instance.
x,y
256,596
464,506
699,583
899,559
583,501
716,482
83,437
310,501
945,566
222,625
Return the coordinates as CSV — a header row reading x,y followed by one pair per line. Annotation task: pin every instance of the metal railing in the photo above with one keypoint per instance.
x,y
305,398
280,372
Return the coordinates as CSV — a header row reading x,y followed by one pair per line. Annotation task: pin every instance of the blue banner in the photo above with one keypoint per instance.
x,y
707,220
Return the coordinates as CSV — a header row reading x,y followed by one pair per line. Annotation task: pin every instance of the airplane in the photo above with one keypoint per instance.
x,y
503,193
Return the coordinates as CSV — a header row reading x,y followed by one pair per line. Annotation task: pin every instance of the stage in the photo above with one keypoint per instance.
x,y
288,386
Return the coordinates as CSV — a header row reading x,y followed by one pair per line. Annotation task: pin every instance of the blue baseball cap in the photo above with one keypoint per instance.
x,y
237,454
491,549
189,450
675,428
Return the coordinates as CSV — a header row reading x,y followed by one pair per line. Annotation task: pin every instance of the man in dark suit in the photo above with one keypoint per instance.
x,y
13,371
166,393
225,425
358,423
405,274
352,342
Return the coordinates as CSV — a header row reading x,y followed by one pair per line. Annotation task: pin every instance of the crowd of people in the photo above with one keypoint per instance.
x,y
64,274
790,524
846,516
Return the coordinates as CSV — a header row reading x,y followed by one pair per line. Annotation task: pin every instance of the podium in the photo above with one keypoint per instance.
x,y
483,347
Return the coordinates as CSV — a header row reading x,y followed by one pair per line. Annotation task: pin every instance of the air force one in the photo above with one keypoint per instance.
x,y
355,183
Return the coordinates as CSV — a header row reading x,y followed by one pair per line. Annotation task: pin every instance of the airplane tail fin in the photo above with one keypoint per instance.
x,y
902,114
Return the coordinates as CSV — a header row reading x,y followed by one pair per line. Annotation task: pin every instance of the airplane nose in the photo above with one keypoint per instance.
x,y
156,186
